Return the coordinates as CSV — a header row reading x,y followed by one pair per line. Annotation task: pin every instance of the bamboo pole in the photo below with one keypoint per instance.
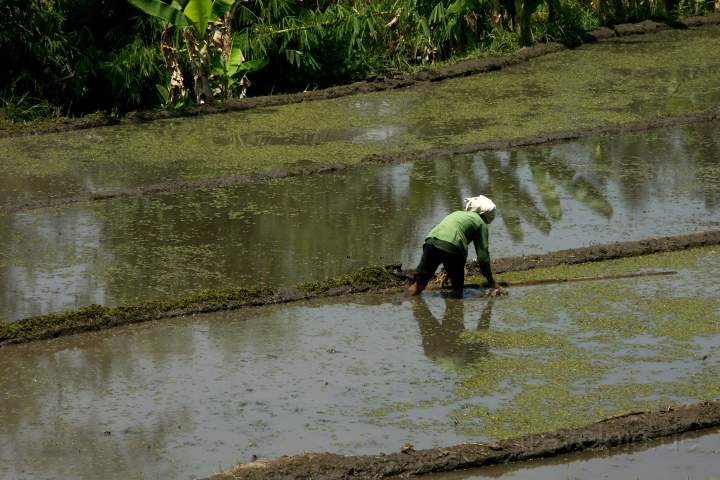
x,y
543,281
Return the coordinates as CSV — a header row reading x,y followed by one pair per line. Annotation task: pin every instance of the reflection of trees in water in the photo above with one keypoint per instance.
x,y
516,202
44,262
57,449
517,205
646,166
442,340
58,401
661,163
579,186
87,363
294,230
706,153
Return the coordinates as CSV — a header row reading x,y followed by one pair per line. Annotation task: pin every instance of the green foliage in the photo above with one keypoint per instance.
x,y
23,108
130,70
502,40
206,43
572,20
695,7
67,57
77,56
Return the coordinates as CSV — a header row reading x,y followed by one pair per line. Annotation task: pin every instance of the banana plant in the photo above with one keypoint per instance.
x,y
204,27
230,71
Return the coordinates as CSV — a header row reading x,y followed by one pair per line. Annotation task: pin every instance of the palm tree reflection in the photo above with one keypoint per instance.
x,y
517,203
578,186
547,172
443,340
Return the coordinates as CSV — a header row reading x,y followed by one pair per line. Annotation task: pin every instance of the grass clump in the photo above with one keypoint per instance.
x,y
360,280
97,317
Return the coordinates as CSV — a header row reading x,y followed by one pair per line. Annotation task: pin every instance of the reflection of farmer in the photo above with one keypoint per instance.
x,y
442,342
447,243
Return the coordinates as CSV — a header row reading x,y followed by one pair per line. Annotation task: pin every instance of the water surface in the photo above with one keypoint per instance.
x,y
624,80
186,397
290,231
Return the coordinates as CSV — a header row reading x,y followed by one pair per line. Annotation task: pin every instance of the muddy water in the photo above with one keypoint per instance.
x,y
620,81
184,398
293,230
692,457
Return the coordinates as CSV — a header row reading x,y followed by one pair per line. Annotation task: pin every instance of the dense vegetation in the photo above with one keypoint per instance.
x,y
73,57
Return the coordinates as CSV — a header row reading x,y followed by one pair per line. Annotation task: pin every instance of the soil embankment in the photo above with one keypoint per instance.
x,y
597,253
612,432
97,317
376,84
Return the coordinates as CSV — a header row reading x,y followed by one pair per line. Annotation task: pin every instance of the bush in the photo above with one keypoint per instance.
x,y
77,56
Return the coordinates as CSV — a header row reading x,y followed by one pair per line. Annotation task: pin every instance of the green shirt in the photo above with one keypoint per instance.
x,y
457,230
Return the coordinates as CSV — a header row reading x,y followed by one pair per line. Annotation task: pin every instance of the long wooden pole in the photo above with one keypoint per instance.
x,y
543,281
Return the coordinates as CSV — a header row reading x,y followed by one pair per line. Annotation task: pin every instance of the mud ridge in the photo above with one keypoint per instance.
x,y
547,138
598,253
612,432
298,170
306,168
375,84
367,279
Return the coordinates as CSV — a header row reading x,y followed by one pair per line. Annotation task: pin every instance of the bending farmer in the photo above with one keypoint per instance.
x,y
447,243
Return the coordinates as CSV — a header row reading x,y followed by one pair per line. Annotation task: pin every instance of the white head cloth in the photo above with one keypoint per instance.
x,y
480,204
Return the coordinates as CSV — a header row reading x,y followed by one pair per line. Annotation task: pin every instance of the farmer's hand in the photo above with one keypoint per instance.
x,y
497,291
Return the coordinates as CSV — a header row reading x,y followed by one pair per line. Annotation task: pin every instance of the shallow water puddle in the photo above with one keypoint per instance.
x,y
285,232
620,81
692,457
189,396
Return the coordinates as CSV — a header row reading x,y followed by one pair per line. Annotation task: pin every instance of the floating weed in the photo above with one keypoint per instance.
x,y
524,339
393,408
568,354
363,279
583,87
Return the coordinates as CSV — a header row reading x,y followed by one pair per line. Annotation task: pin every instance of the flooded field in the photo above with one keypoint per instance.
x,y
616,82
186,397
289,231
690,457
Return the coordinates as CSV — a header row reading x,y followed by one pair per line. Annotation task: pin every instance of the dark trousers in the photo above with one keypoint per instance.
x,y
432,257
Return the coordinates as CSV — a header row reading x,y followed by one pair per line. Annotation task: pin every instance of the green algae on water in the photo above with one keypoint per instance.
x,y
563,355
618,82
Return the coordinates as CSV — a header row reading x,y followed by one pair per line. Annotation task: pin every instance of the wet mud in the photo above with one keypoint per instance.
x,y
362,374
646,26
368,279
689,455
612,432
374,84
301,169
597,253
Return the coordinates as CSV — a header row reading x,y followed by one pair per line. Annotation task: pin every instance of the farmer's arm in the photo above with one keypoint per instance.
x,y
483,255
